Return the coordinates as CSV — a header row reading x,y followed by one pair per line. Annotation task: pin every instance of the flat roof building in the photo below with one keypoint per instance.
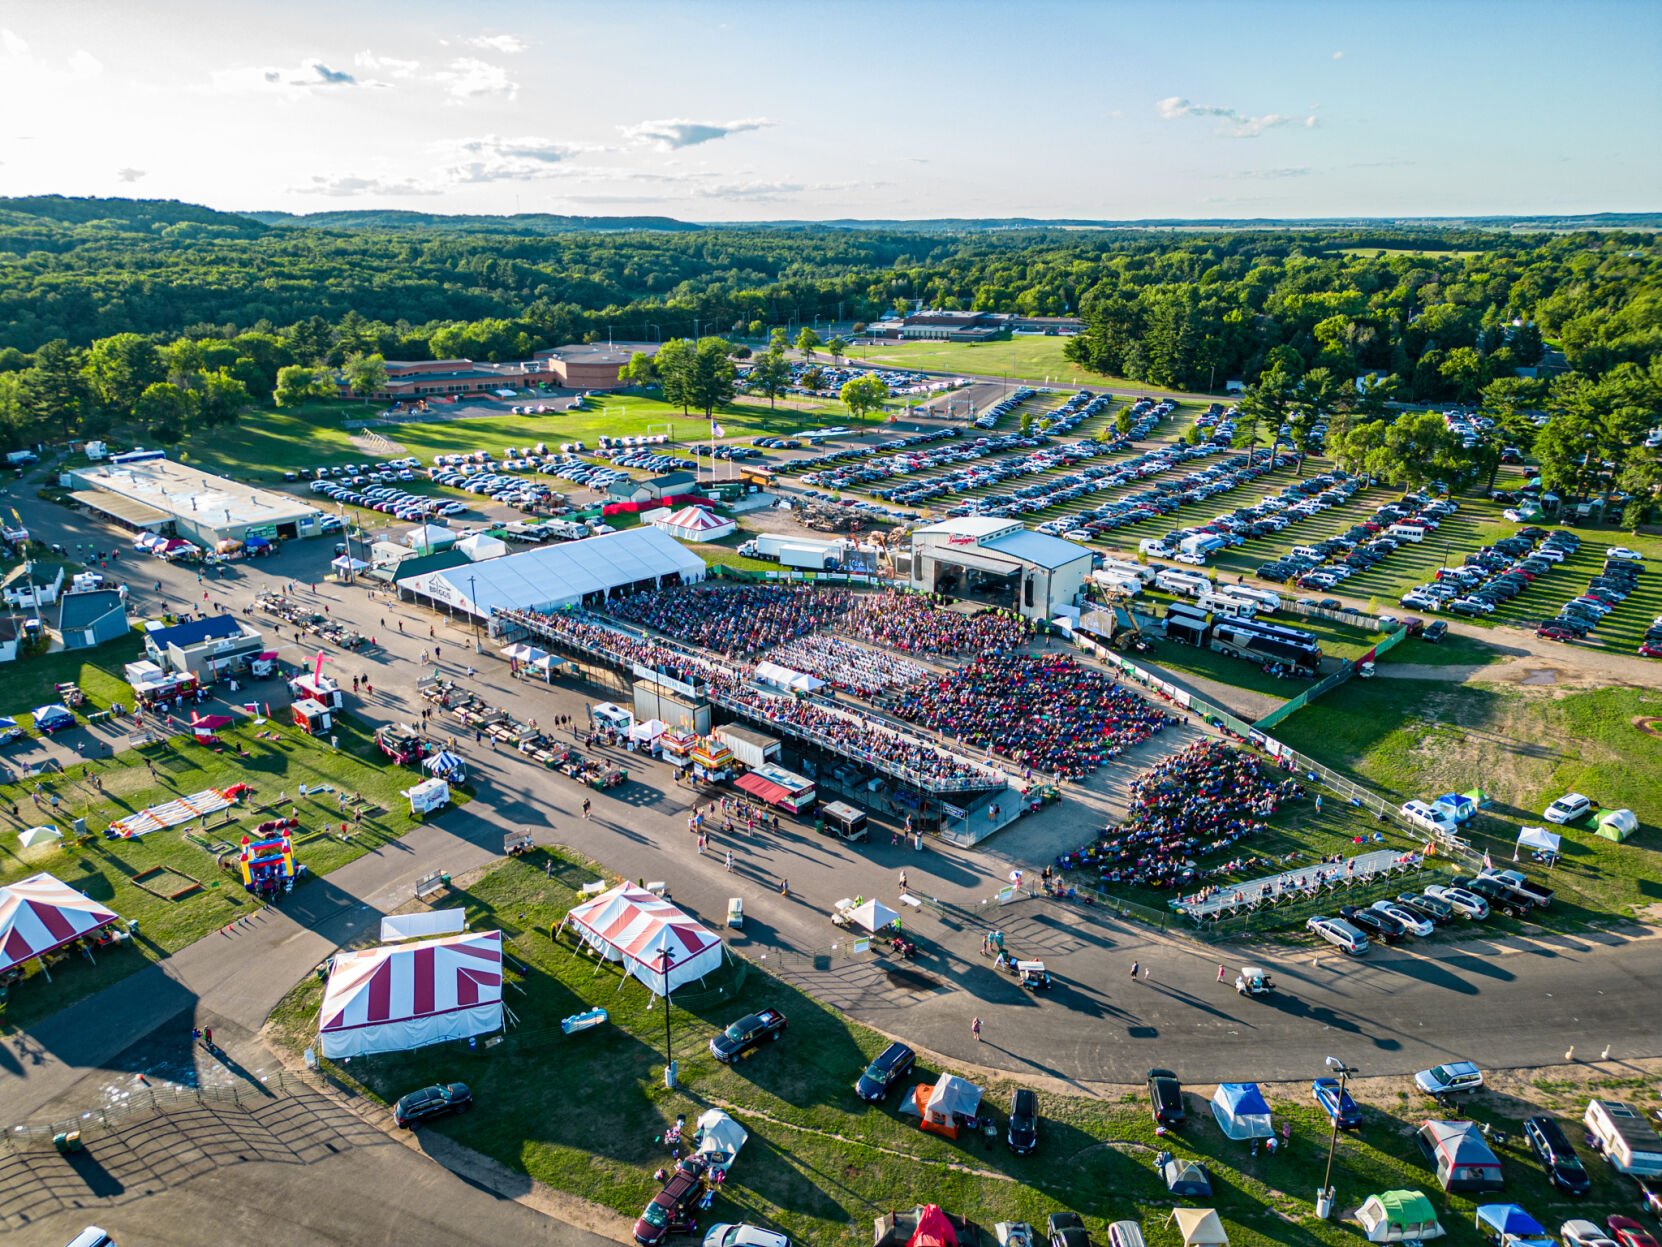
x,y
985,558
202,507
203,647
584,366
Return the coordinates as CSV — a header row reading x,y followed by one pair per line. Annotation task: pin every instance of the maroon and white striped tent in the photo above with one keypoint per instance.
x,y
41,913
403,996
637,927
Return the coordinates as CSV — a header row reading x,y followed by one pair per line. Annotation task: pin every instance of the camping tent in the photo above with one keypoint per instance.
x,y
695,523
1398,1217
482,546
1539,838
637,928
346,563
1200,1227
874,915
1186,1178
719,1139
46,834
1460,807
1241,1111
934,1230
403,996
1617,825
942,1105
1509,1224
1462,1159
41,913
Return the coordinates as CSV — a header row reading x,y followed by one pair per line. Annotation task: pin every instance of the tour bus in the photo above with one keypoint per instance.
x,y
1183,583
1268,601
1262,642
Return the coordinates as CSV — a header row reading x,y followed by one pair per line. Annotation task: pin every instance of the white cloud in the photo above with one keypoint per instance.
x,y
391,66
1310,122
78,65
498,43
13,44
676,133
1238,125
1275,175
313,73
468,78
130,175
1338,56
83,64
497,159
350,185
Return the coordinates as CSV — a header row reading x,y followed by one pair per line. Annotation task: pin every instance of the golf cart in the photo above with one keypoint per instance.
x,y
1254,981
1033,975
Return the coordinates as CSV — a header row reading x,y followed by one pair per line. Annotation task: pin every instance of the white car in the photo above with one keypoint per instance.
x,y
1452,1076
1340,934
1584,1234
1461,901
1623,555
1411,922
743,1235
1568,808
1428,817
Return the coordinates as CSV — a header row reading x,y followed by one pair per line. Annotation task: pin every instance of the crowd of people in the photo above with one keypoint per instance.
x,y
846,666
1051,714
919,623
1203,800
740,622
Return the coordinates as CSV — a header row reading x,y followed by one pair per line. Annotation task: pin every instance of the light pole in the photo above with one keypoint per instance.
x,y
473,613
666,961
1324,1197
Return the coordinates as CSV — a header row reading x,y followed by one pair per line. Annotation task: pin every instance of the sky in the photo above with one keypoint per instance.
x,y
727,110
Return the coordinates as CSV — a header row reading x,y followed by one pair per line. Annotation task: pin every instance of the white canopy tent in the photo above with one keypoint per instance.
x,y
648,731
1200,1227
638,928
429,537
482,546
788,678
719,1139
554,577
873,915
1539,838
45,834
695,523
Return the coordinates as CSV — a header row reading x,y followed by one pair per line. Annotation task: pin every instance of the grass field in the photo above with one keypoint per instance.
x,y
820,1164
1374,253
32,682
1524,747
104,869
1030,357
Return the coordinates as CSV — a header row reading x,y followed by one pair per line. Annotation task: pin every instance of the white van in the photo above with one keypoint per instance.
x,y
1407,532
1125,1234
1155,547
1428,817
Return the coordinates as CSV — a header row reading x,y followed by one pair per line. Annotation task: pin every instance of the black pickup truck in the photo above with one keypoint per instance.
x,y
1538,893
1500,894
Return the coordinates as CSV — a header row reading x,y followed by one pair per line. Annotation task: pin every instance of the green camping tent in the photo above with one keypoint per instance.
x,y
1398,1217
1617,825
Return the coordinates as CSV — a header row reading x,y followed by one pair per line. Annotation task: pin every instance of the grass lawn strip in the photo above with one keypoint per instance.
x,y
583,1113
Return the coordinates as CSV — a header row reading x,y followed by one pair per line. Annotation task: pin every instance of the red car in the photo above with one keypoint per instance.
x,y
1552,633
1650,649
671,1208
1629,1233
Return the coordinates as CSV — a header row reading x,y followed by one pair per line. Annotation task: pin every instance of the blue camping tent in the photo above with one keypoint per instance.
x,y
1458,806
1512,1226
1241,1111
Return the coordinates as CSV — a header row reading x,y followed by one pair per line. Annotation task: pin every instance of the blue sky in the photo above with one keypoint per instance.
x,y
732,110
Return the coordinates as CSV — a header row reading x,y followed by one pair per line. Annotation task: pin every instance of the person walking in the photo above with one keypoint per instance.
x,y
903,881
975,1028
1220,973
1136,969
729,861
585,807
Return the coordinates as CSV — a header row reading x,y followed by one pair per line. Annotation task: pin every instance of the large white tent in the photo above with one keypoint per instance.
x,y
552,577
41,913
694,523
482,546
404,996
637,928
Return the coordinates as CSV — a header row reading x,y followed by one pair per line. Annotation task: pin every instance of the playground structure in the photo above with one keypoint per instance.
x,y
267,863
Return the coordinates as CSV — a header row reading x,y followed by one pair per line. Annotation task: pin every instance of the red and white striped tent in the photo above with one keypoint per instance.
x,y
41,913
403,996
695,523
636,927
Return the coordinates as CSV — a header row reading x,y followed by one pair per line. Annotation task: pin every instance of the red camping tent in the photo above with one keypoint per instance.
x,y
934,1230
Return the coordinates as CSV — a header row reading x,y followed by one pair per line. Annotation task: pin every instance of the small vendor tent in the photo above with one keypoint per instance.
x,y
934,1230
1462,1159
637,928
944,1104
482,546
873,915
1241,1111
429,538
346,563
403,996
446,766
647,732
1398,1217
51,718
1200,1227
42,913
1617,825
45,834
1539,838
719,1139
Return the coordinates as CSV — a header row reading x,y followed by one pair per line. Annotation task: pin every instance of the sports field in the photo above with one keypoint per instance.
x,y
1029,357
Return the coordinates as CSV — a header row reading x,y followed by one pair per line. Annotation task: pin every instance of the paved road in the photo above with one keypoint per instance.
x,y
1402,1006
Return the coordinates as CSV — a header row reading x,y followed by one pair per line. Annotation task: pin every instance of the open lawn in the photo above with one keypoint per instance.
x,y
1524,747
819,1163
105,869
33,681
1028,357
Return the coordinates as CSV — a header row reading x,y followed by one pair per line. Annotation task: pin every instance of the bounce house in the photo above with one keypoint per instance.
x,y
267,864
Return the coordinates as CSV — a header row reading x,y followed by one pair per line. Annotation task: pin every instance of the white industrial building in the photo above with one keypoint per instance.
x,y
157,494
576,573
998,561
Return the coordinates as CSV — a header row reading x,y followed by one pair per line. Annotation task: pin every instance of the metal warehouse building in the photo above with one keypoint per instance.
x,y
156,494
984,558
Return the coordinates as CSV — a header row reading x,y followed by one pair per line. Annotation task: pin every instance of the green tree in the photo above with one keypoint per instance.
x,y
712,376
779,339
771,375
813,380
365,374
120,368
837,348
675,367
165,410
641,370
297,384
864,395
1462,372
1320,393
55,388
1024,423
1122,425
807,342
1267,403
756,329
220,398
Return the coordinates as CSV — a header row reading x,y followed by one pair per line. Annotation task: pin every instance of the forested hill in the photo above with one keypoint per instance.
x,y
530,224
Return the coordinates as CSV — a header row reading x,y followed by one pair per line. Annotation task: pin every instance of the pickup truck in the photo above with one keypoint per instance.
x,y
1538,893
1501,895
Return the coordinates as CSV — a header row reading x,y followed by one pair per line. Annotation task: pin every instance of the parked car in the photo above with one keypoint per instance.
x,y
1023,1134
885,1072
1568,808
1340,934
1375,924
672,1205
431,1102
1432,907
743,1235
1436,630
1450,1077
1579,1233
748,1032
1622,554
1410,922
1067,1229
1629,1233
1553,1149
1336,1102
1470,904
1165,1096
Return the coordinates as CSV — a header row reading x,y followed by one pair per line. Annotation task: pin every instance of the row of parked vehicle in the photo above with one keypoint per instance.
x,y
1495,573
359,473
1418,914
992,415
1617,581
398,503
1270,514
868,469
813,464
1327,563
